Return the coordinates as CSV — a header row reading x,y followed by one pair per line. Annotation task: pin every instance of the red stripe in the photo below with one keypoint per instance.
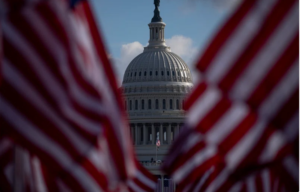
x,y
239,132
212,117
272,22
187,156
287,111
224,34
199,171
195,95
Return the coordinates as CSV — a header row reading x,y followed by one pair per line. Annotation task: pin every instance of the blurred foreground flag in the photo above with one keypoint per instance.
x,y
59,98
241,132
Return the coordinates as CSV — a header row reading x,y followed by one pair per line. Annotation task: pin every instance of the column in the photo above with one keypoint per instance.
x,y
144,134
176,130
136,134
162,183
153,131
169,134
132,133
161,134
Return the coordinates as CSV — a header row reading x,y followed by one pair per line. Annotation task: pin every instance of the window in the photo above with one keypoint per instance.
x,y
150,73
136,105
177,104
182,104
168,73
130,105
178,73
162,73
149,104
135,74
143,104
156,104
156,73
173,73
145,73
171,104
125,105
140,73
131,74
164,104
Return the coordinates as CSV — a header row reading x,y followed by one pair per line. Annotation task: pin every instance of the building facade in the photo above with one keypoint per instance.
x,y
154,87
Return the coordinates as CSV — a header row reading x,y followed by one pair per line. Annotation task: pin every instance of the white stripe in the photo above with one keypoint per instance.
x,y
134,186
203,179
292,167
45,76
194,162
274,144
244,146
145,180
267,57
20,84
193,140
266,181
228,122
31,133
281,93
250,183
202,106
38,175
218,181
239,40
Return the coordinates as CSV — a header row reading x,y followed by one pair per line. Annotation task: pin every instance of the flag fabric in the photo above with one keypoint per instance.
x,y
59,98
157,143
242,117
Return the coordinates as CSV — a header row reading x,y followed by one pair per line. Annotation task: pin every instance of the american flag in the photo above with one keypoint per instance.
x,y
59,99
241,132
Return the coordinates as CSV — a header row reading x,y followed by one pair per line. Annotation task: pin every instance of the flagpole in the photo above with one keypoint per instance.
x,y
156,156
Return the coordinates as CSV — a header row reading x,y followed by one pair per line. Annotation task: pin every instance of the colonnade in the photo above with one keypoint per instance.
x,y
148,133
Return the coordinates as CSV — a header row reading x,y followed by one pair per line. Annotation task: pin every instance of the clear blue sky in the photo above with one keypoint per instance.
x,y
126,21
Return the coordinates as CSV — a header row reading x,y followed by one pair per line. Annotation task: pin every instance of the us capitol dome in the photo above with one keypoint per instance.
x,y
155,85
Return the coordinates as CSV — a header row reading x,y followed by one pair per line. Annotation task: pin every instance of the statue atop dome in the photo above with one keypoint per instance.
x,y
156,17
156,3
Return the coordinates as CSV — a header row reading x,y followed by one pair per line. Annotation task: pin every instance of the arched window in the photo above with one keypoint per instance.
x,y
145,73
162,73
130,105
177,104
156,104
125,105
150,73
136,105
156,73
143,104
140,73
168,73
171,104
164,104
149,104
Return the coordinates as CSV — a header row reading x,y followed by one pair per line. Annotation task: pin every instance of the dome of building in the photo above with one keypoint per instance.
x,y
154,86
158,64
